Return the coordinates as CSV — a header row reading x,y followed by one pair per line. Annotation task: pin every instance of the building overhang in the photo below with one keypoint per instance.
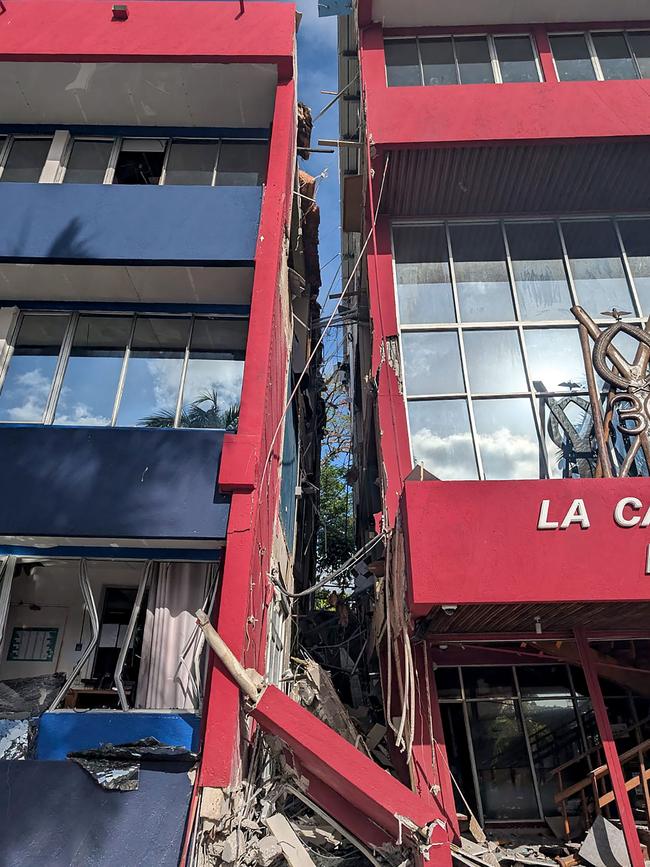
x,y
180,64
526,543
421,13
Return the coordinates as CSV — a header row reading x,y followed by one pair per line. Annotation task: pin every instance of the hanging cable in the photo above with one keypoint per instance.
x,y
318,343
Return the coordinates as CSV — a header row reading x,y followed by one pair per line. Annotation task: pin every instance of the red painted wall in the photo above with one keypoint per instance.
x,y
471,542
241,614
171,30
486,113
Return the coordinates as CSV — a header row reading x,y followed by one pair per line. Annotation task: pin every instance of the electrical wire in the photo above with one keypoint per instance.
x,y
349,563
318,343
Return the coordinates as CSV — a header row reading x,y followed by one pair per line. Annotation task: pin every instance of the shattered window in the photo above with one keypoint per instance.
x,y
492,364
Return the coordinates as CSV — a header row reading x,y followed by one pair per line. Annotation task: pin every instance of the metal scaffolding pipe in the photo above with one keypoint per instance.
x,y
228,659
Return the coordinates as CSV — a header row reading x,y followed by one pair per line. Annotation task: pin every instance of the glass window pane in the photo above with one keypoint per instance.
x,y
473,57
191,163
543,681
640,43
87,162
402,62
494,362
242,164
555,359
153,373
507,438
567,423
93,370
572,58
441,439
555,738
516,58
447,682
26,160
636,240
597,267
214,375
432,363
538,266
502,765
481,273
438,64
28,381
424,292
493,682
614,56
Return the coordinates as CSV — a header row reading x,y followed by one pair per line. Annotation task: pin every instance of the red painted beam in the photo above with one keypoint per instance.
x,y
609,748
187,31
326,756
240,617
519,551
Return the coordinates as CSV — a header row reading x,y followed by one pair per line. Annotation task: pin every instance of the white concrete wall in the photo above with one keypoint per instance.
x,y
55,590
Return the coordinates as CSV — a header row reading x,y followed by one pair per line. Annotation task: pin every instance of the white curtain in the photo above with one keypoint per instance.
x,y
172,643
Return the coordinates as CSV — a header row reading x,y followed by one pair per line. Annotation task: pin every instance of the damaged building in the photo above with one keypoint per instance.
x,y
158,284
496,241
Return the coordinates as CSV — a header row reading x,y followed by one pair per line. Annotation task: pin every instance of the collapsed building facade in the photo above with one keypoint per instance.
x,y
158,277
496,243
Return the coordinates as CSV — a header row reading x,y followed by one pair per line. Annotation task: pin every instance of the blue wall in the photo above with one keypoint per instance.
x,y
63,732
139,224
53,814
111,482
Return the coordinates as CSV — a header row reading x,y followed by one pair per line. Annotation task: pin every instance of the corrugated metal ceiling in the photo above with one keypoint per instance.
x,y
517,179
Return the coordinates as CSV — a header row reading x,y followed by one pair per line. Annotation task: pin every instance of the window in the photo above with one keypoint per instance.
x,y
24,160
490,349
87,161
460,60
105,369
150,161
601,54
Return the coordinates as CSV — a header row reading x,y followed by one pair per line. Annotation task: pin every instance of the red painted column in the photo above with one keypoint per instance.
x,y
540,36
430,767
609,748
240,617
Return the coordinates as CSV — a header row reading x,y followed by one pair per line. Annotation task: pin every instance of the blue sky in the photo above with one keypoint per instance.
x,y
318,70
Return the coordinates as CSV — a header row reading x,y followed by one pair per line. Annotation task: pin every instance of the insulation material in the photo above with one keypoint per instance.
x,y
14,739
29,696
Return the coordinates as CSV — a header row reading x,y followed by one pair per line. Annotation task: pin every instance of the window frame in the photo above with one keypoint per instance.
x,y
593,54
67,153
459,327
8,144
494,59
73,315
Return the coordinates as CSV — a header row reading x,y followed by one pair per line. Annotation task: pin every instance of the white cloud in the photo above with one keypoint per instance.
x,y
505,455
32,389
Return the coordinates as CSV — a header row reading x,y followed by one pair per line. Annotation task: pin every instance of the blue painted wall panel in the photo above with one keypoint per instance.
x,y
126,483
63,732
54,815
105,223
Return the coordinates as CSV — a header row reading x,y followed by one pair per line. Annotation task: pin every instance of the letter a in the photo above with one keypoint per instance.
x,y
577,514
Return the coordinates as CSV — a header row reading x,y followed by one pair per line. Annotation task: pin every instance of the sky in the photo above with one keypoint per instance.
x,y
317,71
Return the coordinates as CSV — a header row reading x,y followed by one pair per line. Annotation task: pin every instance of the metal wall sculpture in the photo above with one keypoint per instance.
x,y
623,431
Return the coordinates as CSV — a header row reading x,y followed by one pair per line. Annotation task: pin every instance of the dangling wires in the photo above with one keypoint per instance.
x,y
318,343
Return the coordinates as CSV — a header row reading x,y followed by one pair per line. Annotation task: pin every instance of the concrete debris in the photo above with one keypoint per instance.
x,y
604,845
268,851
233,847
313,689
292,849
538,854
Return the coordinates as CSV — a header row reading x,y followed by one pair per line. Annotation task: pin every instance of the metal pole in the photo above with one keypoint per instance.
x,y
609,748
135,611
243,678
89,600
599,428
7,569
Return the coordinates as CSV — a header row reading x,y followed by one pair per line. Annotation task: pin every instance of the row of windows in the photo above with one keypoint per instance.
x,y
489,346
124,370
135,161
512,58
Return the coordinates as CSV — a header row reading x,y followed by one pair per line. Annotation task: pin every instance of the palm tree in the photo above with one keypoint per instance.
x,y
197,416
